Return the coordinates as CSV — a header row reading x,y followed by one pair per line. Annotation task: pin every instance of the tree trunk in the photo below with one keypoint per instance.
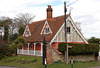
x,y
19,54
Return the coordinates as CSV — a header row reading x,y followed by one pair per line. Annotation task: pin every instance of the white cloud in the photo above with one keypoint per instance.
x,y
15,6
85,11
88,13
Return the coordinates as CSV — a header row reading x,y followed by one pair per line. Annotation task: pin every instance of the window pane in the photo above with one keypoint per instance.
x,y
46,30
68,29
27,32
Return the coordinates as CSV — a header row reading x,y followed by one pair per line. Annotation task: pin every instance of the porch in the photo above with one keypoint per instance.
x,y
35,49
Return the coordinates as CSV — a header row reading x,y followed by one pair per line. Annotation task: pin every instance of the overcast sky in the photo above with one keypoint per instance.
x,y
87,12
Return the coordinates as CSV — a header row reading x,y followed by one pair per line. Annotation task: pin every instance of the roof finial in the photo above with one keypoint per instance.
x,y
70,11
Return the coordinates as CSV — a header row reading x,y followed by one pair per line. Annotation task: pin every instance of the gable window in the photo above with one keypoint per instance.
x,y
46,30
68,30
27,33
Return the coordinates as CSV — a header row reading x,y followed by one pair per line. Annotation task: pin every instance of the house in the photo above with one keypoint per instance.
x,y
52,28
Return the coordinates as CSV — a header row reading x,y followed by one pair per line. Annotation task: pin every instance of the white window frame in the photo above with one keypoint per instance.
x,y
44,28
68,31
27,34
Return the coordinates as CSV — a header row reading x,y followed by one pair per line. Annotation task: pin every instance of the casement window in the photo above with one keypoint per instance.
x,y
68,30
27,33
46,30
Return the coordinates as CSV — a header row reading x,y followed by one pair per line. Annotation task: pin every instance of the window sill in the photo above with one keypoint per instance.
x,y
68,33
46,33
27,36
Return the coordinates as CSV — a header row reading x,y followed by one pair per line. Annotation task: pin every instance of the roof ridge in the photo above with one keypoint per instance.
x,y
52,19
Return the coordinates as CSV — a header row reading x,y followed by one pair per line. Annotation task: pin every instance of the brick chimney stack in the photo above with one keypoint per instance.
x,y
49,12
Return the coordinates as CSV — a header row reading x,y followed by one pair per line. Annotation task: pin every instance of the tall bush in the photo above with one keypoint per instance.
x,y
6,51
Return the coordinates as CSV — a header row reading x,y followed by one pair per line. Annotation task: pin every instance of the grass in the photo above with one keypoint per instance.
x,y
21,64
13,61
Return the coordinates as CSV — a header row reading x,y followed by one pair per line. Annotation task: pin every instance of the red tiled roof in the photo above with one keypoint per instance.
x,y
36,28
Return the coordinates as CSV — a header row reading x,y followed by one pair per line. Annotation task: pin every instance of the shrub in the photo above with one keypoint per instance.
x,y
5,50
1,56
80,49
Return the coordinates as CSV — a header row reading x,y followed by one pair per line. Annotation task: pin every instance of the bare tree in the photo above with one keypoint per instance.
x,y
23,18
20,20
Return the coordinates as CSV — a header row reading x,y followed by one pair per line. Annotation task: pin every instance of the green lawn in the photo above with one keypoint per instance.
x,y
13,61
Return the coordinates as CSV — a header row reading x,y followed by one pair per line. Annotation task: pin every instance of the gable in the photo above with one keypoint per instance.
x,y
73,36
27,32
46,29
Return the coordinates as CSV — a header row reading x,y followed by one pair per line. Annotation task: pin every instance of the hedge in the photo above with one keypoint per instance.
x,y
79,49
62,47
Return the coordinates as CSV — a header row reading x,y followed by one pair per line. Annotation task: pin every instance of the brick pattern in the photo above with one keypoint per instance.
x,y
49,55
49,12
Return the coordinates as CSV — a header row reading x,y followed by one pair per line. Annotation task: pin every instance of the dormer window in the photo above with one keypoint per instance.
x,y
68,30
46,30
27,32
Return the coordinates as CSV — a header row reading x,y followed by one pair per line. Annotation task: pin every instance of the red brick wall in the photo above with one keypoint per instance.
x,y
49,55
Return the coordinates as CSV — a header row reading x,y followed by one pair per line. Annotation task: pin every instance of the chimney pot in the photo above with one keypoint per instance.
x,y
49,12
49,6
